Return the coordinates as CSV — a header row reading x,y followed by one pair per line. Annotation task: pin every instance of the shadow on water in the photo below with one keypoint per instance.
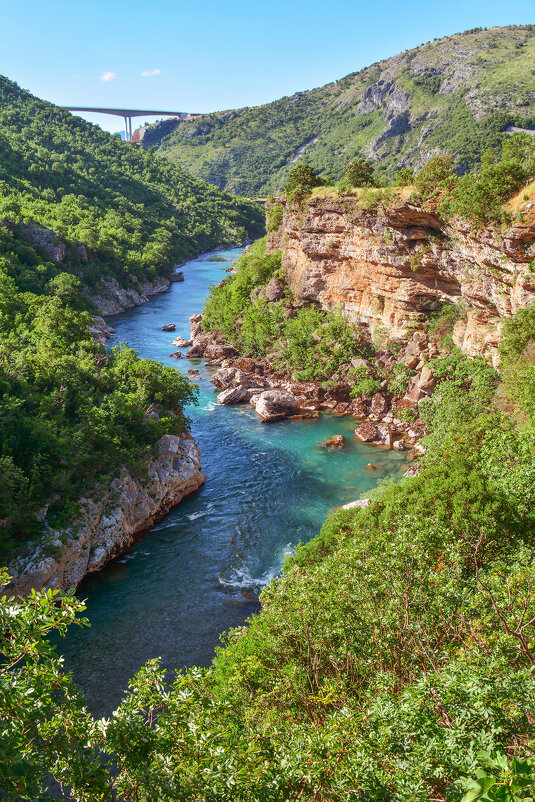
x,y
200,570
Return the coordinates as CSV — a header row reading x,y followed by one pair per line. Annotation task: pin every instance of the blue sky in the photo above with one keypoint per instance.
x,y
206,56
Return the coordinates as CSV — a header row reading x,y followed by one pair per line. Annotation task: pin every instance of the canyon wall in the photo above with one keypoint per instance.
x,y
388,268
110,522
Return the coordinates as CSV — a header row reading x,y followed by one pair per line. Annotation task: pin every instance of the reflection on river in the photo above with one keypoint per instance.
x,y
198,572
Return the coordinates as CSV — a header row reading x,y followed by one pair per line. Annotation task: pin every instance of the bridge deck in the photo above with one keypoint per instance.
x,y
127,112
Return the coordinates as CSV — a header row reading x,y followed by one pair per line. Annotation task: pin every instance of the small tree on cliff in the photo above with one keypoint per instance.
x,y
301,181
404,176
359,173
436,176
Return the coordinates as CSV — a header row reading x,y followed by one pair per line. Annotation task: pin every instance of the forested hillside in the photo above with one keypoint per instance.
x,y
77,204
459,94
117,210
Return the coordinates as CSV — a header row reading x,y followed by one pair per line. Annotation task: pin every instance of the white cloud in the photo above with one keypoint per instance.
x,y
150,73
107,76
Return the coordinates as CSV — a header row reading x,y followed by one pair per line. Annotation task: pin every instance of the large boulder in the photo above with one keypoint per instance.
x,y
218,351
427,380
417,430
334,441
274,405
359,407
195,325
200,344
378,406
274,290
414,392
180,342
233,395
224,378
169,327
232,377
366,432
385,434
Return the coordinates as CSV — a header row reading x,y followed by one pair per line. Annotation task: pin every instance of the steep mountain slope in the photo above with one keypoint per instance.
x,y
84,214
460,93
74,198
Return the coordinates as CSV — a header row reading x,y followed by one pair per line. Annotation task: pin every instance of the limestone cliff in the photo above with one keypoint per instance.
x,y
110,522
389,267
110,298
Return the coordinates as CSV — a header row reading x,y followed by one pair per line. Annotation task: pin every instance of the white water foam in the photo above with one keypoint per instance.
x,y
240,578
194,515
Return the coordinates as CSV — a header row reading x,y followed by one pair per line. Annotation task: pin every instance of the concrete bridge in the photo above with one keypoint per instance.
x,y
127,115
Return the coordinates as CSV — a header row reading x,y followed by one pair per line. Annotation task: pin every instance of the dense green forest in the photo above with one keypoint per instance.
x,y
119,211
71,414
459,94
393,660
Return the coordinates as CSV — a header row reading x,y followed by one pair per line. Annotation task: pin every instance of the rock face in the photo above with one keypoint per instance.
x,y
110,523
363,503
274,405
388,268
49,243
111,299
100,331
366,432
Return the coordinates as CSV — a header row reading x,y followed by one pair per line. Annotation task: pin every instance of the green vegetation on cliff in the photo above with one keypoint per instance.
x,y
309,343
119,211
71,414
458,94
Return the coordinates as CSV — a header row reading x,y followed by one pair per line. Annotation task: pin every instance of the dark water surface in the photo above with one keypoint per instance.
x,y
267,488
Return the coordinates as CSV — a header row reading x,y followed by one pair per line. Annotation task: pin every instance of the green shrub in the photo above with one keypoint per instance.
x,y
301,181
359,173
435,176
404,176
274,217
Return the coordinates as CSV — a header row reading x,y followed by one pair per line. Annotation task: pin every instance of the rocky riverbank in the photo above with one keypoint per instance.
x,y
110,522
384,418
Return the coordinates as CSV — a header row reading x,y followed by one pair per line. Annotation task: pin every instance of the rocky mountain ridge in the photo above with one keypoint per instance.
x,y
460,94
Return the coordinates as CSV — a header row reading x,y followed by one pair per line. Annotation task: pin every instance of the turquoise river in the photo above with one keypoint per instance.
x,y
198,572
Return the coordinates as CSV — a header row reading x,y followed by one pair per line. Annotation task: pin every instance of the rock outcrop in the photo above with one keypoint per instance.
x,y
111,299
100,331
275,405
109,523
390,268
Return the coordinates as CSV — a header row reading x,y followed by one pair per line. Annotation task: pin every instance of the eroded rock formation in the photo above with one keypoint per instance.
x,y
109,524
389,268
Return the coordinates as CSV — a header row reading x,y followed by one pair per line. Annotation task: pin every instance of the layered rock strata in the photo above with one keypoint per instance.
x,y
109,523
389,268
